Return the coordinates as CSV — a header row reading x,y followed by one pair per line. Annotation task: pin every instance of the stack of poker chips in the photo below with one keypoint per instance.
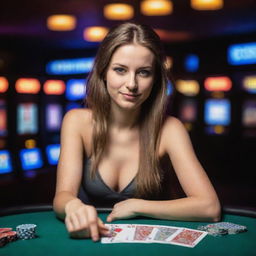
x,y
223,228
26,231
7,235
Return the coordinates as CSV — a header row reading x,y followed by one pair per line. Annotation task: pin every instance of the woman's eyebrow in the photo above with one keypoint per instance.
x,y
119,64
122,65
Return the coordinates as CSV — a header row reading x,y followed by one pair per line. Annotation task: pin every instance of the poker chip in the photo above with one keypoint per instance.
x,y
26,231
3,240
2,230
223,228
7,236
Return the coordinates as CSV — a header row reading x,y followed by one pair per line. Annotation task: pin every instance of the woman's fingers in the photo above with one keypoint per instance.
x,y
75,222
79,234
103,229
85,223
92,219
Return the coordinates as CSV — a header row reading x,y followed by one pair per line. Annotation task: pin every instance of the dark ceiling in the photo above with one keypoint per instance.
x,y
25,21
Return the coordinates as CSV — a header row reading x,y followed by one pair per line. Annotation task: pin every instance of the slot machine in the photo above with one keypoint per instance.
x,y
217,105
242,57
75,72
52,113
187,102
75,93
61,96
6,166
248,111
26,143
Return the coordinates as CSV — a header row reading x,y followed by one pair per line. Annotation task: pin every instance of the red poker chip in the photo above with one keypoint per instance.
x,y
2,230
10,236
3,241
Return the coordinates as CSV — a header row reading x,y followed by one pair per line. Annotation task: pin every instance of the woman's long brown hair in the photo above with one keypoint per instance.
x,y
148,178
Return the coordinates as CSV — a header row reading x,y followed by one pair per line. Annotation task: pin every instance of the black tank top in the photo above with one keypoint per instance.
x,y
97,193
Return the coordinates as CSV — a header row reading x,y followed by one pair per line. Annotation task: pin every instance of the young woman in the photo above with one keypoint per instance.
x,y
111,152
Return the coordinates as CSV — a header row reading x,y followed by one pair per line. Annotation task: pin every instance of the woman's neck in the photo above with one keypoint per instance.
x,y
123,119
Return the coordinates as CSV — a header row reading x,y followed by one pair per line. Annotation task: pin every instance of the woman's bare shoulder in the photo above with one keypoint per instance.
x,y
171,124
172,131
78,116
77,124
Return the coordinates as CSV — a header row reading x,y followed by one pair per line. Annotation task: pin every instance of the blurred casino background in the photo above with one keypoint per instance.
x,y
47,50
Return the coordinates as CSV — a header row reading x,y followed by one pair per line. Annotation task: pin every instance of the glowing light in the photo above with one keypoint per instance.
x,y
31,158
222,83
169,90
5,162
61,22
191,63
118,11
28,85
53,153
188,110
188,87
53,117
95,34
249,113
219,129
169,62
249,84
3,84
30,143
205,5
3,120
27,118
56,87
69,66
156,7
242,54
76,89
217,112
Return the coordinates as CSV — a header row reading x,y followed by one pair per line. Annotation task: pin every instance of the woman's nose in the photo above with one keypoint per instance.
x,y
132,84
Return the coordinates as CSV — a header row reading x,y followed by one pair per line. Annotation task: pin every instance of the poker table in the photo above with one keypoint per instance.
x,y
53,239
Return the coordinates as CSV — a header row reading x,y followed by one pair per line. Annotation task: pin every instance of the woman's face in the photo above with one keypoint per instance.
x,y
130,76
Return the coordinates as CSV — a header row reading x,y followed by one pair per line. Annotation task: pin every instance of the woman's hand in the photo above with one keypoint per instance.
x,y
82,221
124,210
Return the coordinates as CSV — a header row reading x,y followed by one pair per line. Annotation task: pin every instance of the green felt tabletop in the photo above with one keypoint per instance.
x,y
53,239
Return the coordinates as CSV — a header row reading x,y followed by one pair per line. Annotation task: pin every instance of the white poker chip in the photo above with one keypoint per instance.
x,y
26,231
223,228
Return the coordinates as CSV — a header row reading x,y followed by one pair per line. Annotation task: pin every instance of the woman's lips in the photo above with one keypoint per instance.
x,y
129,96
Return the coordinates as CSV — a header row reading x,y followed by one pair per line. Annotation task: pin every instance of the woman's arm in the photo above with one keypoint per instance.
x,y
201,202
69,171
81,220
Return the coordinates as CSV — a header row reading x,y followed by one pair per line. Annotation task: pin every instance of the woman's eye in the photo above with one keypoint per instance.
x,y
145,73
119,70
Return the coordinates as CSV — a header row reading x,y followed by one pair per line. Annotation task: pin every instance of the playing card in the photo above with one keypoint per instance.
x,y
188,237
142,233
163,233
119,233
132,233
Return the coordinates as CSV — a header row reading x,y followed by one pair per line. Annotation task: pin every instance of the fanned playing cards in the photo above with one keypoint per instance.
x,y
139,233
